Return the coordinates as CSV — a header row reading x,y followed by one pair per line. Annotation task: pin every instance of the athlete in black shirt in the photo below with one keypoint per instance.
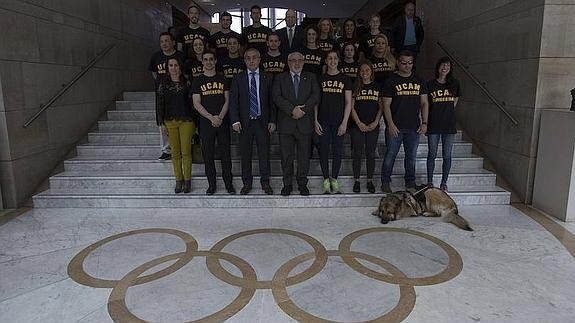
x,y
193,66
349,66
233,64
210,94
326,39
255,36
382,59
273,61
368,41
349,35
444,94
331,118
219,40
313,56
187,34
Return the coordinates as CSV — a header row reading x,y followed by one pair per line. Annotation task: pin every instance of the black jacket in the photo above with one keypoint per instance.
x,y
297,42
398,32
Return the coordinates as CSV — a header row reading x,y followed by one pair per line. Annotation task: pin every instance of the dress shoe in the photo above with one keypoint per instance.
x,y
267,189
303,190
286,190
246,189
179,187
231,189
187,186
211,190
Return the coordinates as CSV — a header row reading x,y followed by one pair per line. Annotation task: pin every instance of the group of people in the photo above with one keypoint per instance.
x,y
308,86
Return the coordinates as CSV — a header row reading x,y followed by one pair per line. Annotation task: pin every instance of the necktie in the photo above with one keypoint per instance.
x,y
254,111
290,36
296,84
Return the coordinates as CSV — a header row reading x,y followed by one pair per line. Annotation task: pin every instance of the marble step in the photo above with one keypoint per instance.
x,y
127,126
153,138
158,183
157,166
139,96
151,152
132,115
50,199
135,105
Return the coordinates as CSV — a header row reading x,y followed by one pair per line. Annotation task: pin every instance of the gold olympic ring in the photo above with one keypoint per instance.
x,y
78,274
217,270
117,300
454,266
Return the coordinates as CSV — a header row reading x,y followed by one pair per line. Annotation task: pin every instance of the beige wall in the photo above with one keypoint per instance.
x,y
44,43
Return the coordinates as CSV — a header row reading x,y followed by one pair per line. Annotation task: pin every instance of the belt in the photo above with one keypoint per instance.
x,y
256,118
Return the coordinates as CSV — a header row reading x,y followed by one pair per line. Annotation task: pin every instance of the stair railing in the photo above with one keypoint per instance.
x,y
67,86
481,85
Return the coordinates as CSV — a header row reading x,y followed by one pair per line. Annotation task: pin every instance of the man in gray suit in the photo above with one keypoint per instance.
x,y
295,93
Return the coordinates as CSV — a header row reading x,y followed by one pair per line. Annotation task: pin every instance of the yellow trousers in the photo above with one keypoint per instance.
x,y
180,134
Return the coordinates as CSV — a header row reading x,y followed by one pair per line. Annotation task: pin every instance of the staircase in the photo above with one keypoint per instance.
x,y
118,168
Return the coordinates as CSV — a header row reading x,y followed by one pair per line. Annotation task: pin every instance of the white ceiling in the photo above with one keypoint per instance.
x,y
316,9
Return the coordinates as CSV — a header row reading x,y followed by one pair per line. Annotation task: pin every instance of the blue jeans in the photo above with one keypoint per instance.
x,y
432,143
410,140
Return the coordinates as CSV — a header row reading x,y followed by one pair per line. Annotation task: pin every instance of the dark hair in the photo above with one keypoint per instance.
x,y
234,37
316,31
333,51
167,80
451,81
408,2
209,51
255,7
225,14
167,33
355,51
191,52
273,34
354,27
193,6
405,53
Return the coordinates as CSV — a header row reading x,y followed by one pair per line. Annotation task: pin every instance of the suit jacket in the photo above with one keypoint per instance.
x,y
240,99
285,100
398,32
297,42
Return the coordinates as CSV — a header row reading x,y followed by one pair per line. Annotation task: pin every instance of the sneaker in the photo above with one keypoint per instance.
x,y
326,186
385,188
370,187
335,186
356,187
165,156
443,187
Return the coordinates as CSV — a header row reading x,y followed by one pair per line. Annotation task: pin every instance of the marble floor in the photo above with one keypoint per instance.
x,y
281,265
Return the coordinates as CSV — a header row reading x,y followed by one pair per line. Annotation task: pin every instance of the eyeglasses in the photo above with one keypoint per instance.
x,y
406,62
296,60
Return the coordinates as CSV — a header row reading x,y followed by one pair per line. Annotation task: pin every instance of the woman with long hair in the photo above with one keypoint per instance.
x,y
331,119
364,130
193,67
175,116
444,95
327,40
368,41
349,35
349,64
313,56
383,61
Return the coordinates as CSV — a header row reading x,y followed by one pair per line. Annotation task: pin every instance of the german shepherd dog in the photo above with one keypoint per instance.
x,y
427,201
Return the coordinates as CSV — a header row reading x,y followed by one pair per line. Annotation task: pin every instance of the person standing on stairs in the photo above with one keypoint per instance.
x,y
292,35
444,94
175,114
331,118
366,114
210,95
349,65
405,107
158,67
253,115
187,34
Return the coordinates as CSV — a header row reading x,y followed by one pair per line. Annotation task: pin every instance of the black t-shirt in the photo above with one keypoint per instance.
x,y
342,41
442,107
332,105
367,103
274,64
231,67
328,44
256,37
187,35
313,60
158,63
349,69
211,89
406,102
381,69
193,68
219,41
366,44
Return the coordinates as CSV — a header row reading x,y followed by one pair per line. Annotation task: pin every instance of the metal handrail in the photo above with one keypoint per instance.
x,y
68,85
478,83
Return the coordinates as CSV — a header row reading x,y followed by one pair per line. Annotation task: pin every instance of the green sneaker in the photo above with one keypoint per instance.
x,y
326,186
335,187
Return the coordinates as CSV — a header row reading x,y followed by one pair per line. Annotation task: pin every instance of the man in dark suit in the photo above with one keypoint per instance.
x,y
407,31
292,36
253,115
295,93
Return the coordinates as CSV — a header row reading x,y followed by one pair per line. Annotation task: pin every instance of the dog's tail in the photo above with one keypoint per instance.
x,y
458,221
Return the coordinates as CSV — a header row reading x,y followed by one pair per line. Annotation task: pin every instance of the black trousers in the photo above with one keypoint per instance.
x,y
363,142
209,135
330,139
257,131
288,144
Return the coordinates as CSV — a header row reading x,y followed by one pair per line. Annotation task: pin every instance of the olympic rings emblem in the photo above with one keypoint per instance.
x,y
248,281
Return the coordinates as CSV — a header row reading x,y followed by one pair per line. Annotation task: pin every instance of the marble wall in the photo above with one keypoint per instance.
x,y
44,44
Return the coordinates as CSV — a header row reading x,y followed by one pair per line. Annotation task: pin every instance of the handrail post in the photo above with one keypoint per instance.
x,y
68,85
478,83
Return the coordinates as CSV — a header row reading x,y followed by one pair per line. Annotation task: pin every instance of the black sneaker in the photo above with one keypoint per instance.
x,y
211,190
165,156
231,189
370,187
356,187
